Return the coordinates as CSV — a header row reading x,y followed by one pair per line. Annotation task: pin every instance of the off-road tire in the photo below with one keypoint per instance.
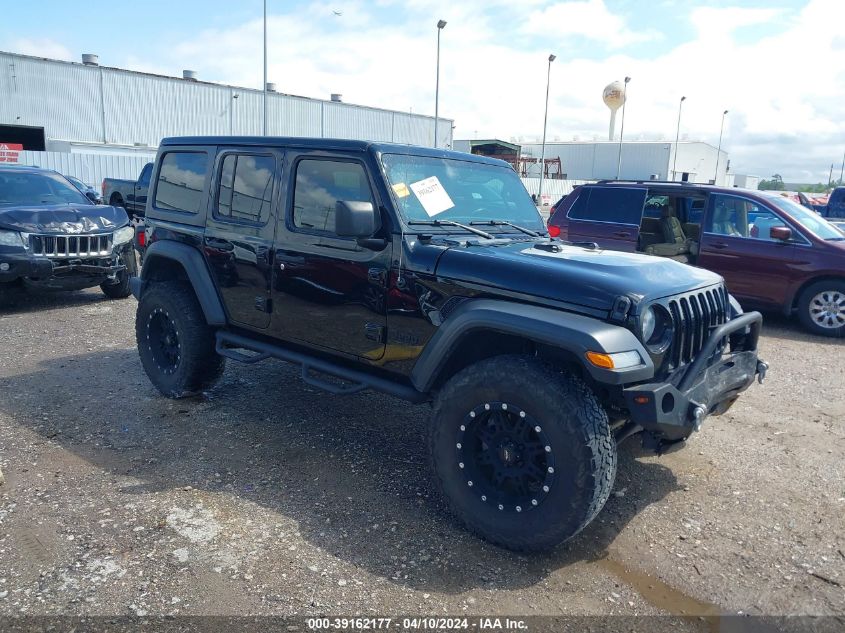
x,y
835,287
121,289
197,366
575,425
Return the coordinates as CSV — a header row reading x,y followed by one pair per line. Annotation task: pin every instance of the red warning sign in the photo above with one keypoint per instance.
x,y
9,152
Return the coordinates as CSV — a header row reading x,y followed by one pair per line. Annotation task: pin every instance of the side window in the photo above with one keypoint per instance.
x,y
319,185
144,178
654,206
245,191
618,205
181,178
579,207
731,216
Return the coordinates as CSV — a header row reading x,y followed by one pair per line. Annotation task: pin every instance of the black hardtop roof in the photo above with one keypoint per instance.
x,y
329,144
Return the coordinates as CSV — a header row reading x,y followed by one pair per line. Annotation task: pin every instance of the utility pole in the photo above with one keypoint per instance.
x,y
677,135
545,120
441,24
719,149
622,131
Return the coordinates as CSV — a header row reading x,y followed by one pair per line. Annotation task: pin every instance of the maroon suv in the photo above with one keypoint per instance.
x,y
772,252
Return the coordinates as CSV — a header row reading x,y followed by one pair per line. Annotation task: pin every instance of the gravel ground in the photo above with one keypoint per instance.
x,y
266,496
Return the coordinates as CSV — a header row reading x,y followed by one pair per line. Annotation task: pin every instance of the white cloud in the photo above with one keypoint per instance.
x,y
590,19
40,47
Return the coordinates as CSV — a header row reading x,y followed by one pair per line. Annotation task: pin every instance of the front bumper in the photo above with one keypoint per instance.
x,y
61,274
708,386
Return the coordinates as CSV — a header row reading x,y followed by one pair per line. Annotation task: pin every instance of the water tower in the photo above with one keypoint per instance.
x,y
613,96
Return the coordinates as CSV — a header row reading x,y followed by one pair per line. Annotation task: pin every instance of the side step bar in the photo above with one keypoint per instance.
x,y
228,344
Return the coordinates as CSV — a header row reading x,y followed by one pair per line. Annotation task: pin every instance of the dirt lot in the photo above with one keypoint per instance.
x,y
268,497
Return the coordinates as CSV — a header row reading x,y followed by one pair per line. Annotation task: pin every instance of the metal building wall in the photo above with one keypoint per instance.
x,y
89,104
89,168
598,160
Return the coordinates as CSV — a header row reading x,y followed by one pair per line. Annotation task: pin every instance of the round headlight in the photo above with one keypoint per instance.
x,y
656,328
647,323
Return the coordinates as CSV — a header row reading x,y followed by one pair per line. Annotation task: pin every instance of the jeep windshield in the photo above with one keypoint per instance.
x,y
36,189
809,220
440,191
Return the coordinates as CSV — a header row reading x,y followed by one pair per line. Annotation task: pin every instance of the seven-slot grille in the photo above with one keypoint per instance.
x,y
695,315
64,246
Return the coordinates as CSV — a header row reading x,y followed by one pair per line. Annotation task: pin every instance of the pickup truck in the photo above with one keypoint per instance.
x,y
131,195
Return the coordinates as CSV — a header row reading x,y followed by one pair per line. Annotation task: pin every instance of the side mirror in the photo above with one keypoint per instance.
x,y
92,196
780,233
355,219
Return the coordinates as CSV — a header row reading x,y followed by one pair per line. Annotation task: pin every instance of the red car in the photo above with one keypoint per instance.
x,y
772,252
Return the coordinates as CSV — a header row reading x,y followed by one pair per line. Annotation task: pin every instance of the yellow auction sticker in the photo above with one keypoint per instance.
x,y
401,190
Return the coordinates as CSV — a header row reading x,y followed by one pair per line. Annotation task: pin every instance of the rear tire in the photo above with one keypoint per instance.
x,y
821,308
175,343
522,452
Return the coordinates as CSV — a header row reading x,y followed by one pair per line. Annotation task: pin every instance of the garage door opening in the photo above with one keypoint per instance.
x,y
32,138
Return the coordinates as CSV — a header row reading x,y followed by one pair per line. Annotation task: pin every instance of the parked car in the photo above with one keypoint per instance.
x,y
52,237
428,275
772,252
92,194
129,194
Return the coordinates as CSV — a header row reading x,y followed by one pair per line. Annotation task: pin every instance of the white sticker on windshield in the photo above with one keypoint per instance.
x,y
432,196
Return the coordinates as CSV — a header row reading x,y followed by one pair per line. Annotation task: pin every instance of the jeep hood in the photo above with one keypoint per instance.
x,y
62,218
581,276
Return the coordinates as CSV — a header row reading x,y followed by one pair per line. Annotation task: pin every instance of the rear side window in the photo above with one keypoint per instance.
x,y
617,205
245,191
181,179
319,185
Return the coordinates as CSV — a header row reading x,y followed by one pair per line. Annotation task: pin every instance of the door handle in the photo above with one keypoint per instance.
x,y
720,246
622,234
222,245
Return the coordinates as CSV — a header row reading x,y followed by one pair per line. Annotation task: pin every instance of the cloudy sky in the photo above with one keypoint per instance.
x,y
778,66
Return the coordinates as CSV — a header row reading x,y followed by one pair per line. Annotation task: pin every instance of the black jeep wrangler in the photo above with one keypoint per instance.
x,y
428,275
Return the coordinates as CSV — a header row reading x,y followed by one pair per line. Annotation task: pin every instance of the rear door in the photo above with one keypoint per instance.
x,y
240,228
608,216
736,243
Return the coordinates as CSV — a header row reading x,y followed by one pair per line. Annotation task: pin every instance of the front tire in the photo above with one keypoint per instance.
x,y
522,452
175,343
120,289
821,308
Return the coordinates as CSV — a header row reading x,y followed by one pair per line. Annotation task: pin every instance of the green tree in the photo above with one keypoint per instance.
x,y
775,184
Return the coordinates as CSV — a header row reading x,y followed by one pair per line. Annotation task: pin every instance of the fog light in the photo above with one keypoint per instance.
x,y
4,267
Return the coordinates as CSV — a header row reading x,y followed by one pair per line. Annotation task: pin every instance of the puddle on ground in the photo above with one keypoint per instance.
x,y
665,597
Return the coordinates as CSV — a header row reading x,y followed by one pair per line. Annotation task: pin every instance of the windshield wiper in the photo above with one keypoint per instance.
x,y
478,232
511,224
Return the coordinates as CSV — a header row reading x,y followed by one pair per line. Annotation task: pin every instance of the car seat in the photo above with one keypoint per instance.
x,y
722,223
675,243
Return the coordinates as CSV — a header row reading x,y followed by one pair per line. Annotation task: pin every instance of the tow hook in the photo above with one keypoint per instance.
x,y
698,413
762,368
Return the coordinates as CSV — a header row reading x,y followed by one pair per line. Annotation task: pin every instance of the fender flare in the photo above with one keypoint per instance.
x,y
195,267
573,333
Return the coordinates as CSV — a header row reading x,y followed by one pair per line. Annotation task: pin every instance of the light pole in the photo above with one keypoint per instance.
x,y
842,169
622,130
264,94
677,135
441,24
545,120
719,150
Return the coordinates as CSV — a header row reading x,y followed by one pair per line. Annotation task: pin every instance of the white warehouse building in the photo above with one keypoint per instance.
x,y
641,160
93,121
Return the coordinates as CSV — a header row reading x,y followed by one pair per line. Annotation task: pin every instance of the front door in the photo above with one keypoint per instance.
x,y
736,243
239,231
137,202
328,291
608,216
